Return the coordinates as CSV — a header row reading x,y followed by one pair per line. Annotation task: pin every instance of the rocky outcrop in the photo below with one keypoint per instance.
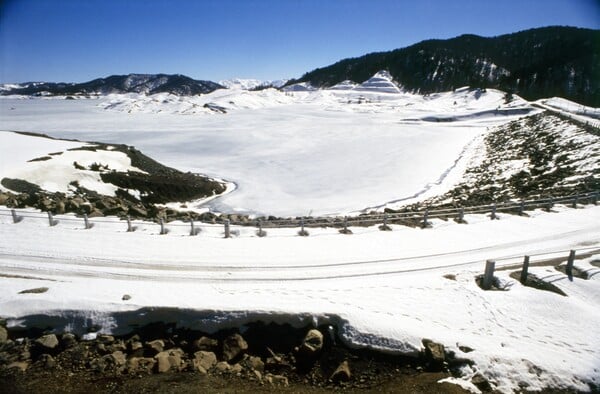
x,y
233,347
161,349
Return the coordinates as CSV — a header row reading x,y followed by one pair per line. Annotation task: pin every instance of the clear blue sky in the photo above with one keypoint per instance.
x,y
79,40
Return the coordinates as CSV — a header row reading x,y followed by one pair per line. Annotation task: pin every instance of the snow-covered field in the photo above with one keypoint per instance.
x,y
290,153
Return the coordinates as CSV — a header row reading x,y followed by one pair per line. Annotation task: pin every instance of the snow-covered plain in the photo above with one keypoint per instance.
x,y
325,151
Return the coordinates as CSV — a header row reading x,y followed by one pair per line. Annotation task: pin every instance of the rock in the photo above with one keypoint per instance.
x,y
138,211
222,367
255,364
156,346
277,380
342,373
236,369
234,346
105,339
19,365
118,346
465,349
140,364
312,343
205,343
434,351
49,341
163,363
258,375
203,360
119,358
169,360
136,349
481,382
4,198
126,297
3,335
95,213
99,364
47,361
68,340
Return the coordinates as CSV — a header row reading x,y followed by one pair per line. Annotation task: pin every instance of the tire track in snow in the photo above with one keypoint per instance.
x,y
108,268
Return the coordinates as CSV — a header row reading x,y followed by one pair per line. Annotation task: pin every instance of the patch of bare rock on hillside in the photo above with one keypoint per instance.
x,y
160,358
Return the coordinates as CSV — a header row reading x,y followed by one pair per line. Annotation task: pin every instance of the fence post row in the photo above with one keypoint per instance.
x,y
16,218
525,270
488,276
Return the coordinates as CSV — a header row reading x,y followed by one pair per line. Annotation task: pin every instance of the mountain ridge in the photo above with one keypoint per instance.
x,y
130,83
535,63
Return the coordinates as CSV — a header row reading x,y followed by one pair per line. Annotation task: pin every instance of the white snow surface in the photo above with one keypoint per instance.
x,y
289,153
57,172
382,290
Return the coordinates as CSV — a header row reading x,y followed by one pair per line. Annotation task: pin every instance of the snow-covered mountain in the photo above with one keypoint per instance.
x,y
250,84
536,63
131,83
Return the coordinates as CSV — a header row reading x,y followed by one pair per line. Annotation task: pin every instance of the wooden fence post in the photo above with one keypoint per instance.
x,y
550,204
521,208
227,231
16,218
595,198
570,261
493,215
575,201
524,270
51,220
302,232
86,222
426,219
488,276
129,227
345,229
260,231
193,230
461,215
163,230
